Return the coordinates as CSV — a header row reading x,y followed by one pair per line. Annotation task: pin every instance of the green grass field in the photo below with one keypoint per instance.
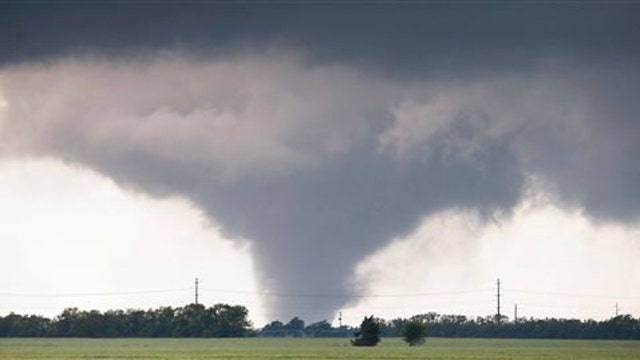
x,y
258,348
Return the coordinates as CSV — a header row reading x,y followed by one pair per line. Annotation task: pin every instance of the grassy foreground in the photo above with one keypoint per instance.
x,y
260,348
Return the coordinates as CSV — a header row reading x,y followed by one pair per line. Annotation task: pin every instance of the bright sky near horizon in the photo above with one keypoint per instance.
x,y
77,239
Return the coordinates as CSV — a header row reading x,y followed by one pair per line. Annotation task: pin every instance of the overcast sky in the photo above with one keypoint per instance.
x,y
368,158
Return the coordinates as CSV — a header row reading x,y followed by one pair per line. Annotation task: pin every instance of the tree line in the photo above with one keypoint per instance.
x,y
296,328
222,320
619,327
194,320
436,325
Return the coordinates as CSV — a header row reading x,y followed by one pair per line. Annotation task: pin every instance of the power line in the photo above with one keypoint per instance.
x,y
345,295
575,295
548,306
319,295
118,293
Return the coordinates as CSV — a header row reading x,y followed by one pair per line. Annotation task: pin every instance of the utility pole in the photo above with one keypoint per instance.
x,y
196,291
515,314
340,318
617,310
499,317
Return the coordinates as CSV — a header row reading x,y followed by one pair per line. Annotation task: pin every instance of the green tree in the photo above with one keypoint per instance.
x,y
320,328
414,332
163,321
295,327
320,325
190,321
66,324
295,324
368,334
230,321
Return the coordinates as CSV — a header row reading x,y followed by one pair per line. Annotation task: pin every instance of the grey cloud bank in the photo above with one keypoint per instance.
x,y
396,39
321,143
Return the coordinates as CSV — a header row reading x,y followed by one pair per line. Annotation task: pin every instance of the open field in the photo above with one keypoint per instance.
x,y
261,348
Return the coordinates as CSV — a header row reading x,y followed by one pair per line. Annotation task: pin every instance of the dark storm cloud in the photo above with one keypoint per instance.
x,y
594,165
396,38
321,131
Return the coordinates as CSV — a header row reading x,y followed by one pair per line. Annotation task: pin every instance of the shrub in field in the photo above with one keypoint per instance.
x,y
368,334
414,332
